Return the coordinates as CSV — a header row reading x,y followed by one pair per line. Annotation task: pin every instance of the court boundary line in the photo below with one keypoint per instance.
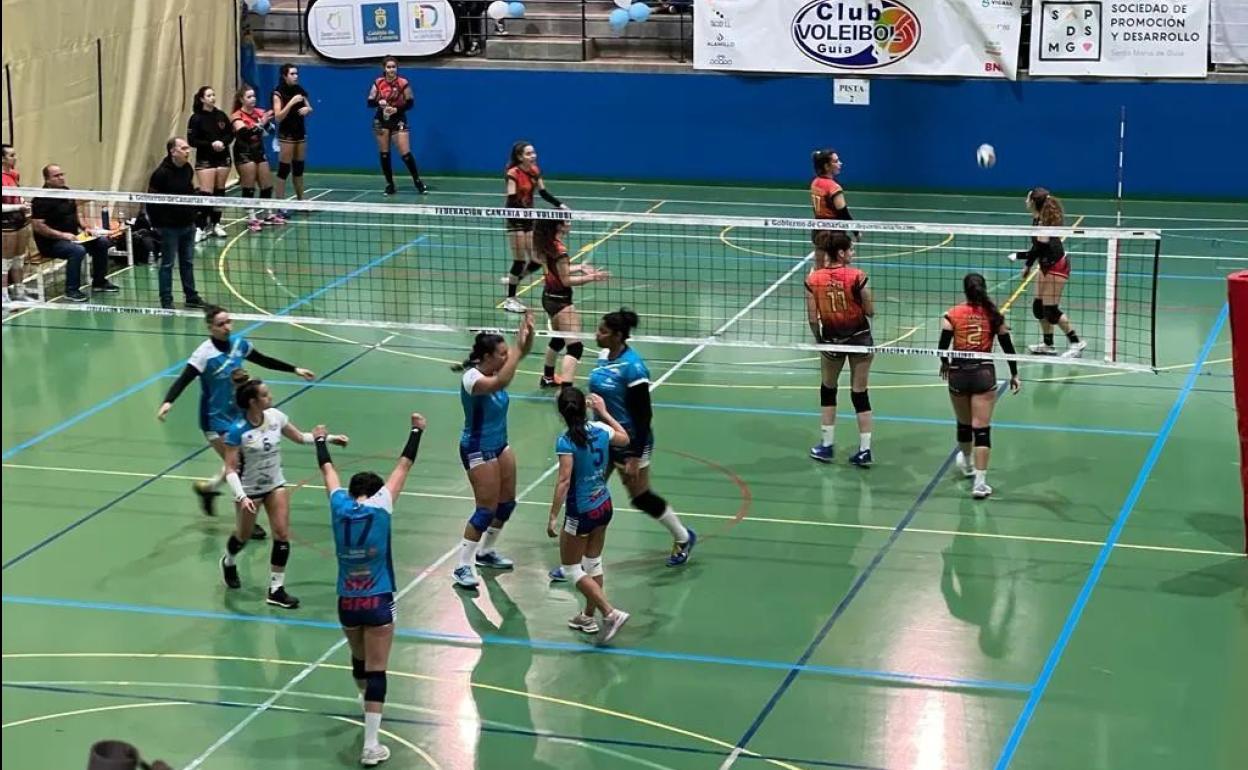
x,y
1102,558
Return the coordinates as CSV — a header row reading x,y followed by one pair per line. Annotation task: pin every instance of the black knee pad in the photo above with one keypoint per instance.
x,y
983,437
218,191
827,396
1052,313
650,504
556,344
375,686
234,545
298,167
266,192
283,170
281,553
1037,309
862,401
964,433
576,350
249,192
357,668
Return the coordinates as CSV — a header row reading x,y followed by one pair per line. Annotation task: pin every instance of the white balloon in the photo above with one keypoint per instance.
x,y
623,4
498,10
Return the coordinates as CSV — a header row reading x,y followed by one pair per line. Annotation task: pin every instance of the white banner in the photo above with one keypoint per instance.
x,y
1133,38
886,37
371,29
1230,32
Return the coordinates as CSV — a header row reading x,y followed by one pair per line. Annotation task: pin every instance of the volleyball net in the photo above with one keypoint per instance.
x,y
694,280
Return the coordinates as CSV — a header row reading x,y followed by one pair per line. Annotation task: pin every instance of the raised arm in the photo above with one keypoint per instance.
x,y
398,476
524,343
320,437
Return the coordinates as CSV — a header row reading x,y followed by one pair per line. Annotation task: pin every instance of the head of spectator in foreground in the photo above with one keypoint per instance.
x,y
53,176
179,151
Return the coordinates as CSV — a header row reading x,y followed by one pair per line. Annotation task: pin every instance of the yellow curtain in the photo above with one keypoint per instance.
x,y
68,61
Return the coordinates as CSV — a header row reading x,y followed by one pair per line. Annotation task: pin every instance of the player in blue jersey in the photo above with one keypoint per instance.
x,y
583,451
360,520
483,450
253,462
623,381
213,363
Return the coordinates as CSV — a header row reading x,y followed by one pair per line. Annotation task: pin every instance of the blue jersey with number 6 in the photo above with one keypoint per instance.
x,y
362,543
588,490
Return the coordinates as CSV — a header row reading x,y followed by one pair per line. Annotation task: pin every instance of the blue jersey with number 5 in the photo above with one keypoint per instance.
x,y
588,489
362,543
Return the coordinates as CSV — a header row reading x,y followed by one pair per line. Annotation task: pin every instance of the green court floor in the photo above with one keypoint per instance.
x,y
1090,615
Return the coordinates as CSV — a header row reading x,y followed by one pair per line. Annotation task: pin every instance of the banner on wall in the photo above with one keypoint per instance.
x,y
368,29
1132,38
1229,30
885,37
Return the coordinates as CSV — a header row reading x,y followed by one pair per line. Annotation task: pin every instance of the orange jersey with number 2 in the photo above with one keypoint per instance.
x,y
972,328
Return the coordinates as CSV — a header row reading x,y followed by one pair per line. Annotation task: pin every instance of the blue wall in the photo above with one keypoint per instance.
x,y
1183,139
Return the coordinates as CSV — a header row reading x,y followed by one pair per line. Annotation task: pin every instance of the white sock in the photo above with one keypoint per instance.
x,y
864,441
829,435
217,479
229,559
467,552
372,726
669,520
276,580
489,538
981,477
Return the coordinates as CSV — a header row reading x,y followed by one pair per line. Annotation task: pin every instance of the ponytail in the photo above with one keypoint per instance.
x,y
245,389
482,345
571,406
1049,211
622,322
976,290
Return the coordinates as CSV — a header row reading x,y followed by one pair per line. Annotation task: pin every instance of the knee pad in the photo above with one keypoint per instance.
x,y
862,401
650,504
281,553
249,192
283,170
481,518
556,344
573,572
266,192
827,396
964,433
218,191
375,686
1052,313
983,436
1037,309
505,510
298,167
576,350
357,668
592,567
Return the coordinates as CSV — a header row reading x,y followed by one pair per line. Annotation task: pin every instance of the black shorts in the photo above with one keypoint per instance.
x,y
395,124
555,302
13,222
259,498
357,611
971,379
292,134
205,160
862,338
250,155
519,225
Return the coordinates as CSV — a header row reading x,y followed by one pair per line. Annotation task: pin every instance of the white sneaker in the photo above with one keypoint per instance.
x,y
372,756
513,305
200,235
219,231
1041,349
1075,350
965,465
981,491
613,623
584,623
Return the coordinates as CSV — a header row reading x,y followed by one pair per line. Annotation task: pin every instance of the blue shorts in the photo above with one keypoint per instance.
x,y
471,458
619,454
583,523
356,611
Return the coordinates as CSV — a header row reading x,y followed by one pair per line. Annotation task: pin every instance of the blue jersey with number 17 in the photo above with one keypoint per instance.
x,y
362,543
588,490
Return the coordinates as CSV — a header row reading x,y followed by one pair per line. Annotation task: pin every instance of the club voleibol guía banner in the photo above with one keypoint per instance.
x,y
966,38
1128,38
371,29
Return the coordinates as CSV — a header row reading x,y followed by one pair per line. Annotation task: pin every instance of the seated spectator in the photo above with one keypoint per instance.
x,y
61,234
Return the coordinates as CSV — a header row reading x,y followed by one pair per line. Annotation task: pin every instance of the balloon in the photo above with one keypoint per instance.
x,y
623,4
260,7
515,10
639,12
618,20
498,10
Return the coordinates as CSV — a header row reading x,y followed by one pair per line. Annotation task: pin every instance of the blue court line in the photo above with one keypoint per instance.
x,y
486,726
1094,575
849,597
743,410
177,366
913,680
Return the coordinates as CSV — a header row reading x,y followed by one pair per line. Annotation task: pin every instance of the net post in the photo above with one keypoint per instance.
x,y
1111,300
1152,316
1237,296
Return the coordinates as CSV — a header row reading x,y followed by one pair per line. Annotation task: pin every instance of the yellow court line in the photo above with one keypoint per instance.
x,y
752,519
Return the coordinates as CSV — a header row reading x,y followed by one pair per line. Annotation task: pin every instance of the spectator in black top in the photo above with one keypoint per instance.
x,y
209,131
176,224
57,226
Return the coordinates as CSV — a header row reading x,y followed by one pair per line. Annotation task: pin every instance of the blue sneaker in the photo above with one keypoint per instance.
x,y
465,577
682,551
821,453
493,560
557,576
862,458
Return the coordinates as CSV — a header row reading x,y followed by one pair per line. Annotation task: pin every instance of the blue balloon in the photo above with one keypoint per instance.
x,y
639,12
618,20
261,7
515,10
